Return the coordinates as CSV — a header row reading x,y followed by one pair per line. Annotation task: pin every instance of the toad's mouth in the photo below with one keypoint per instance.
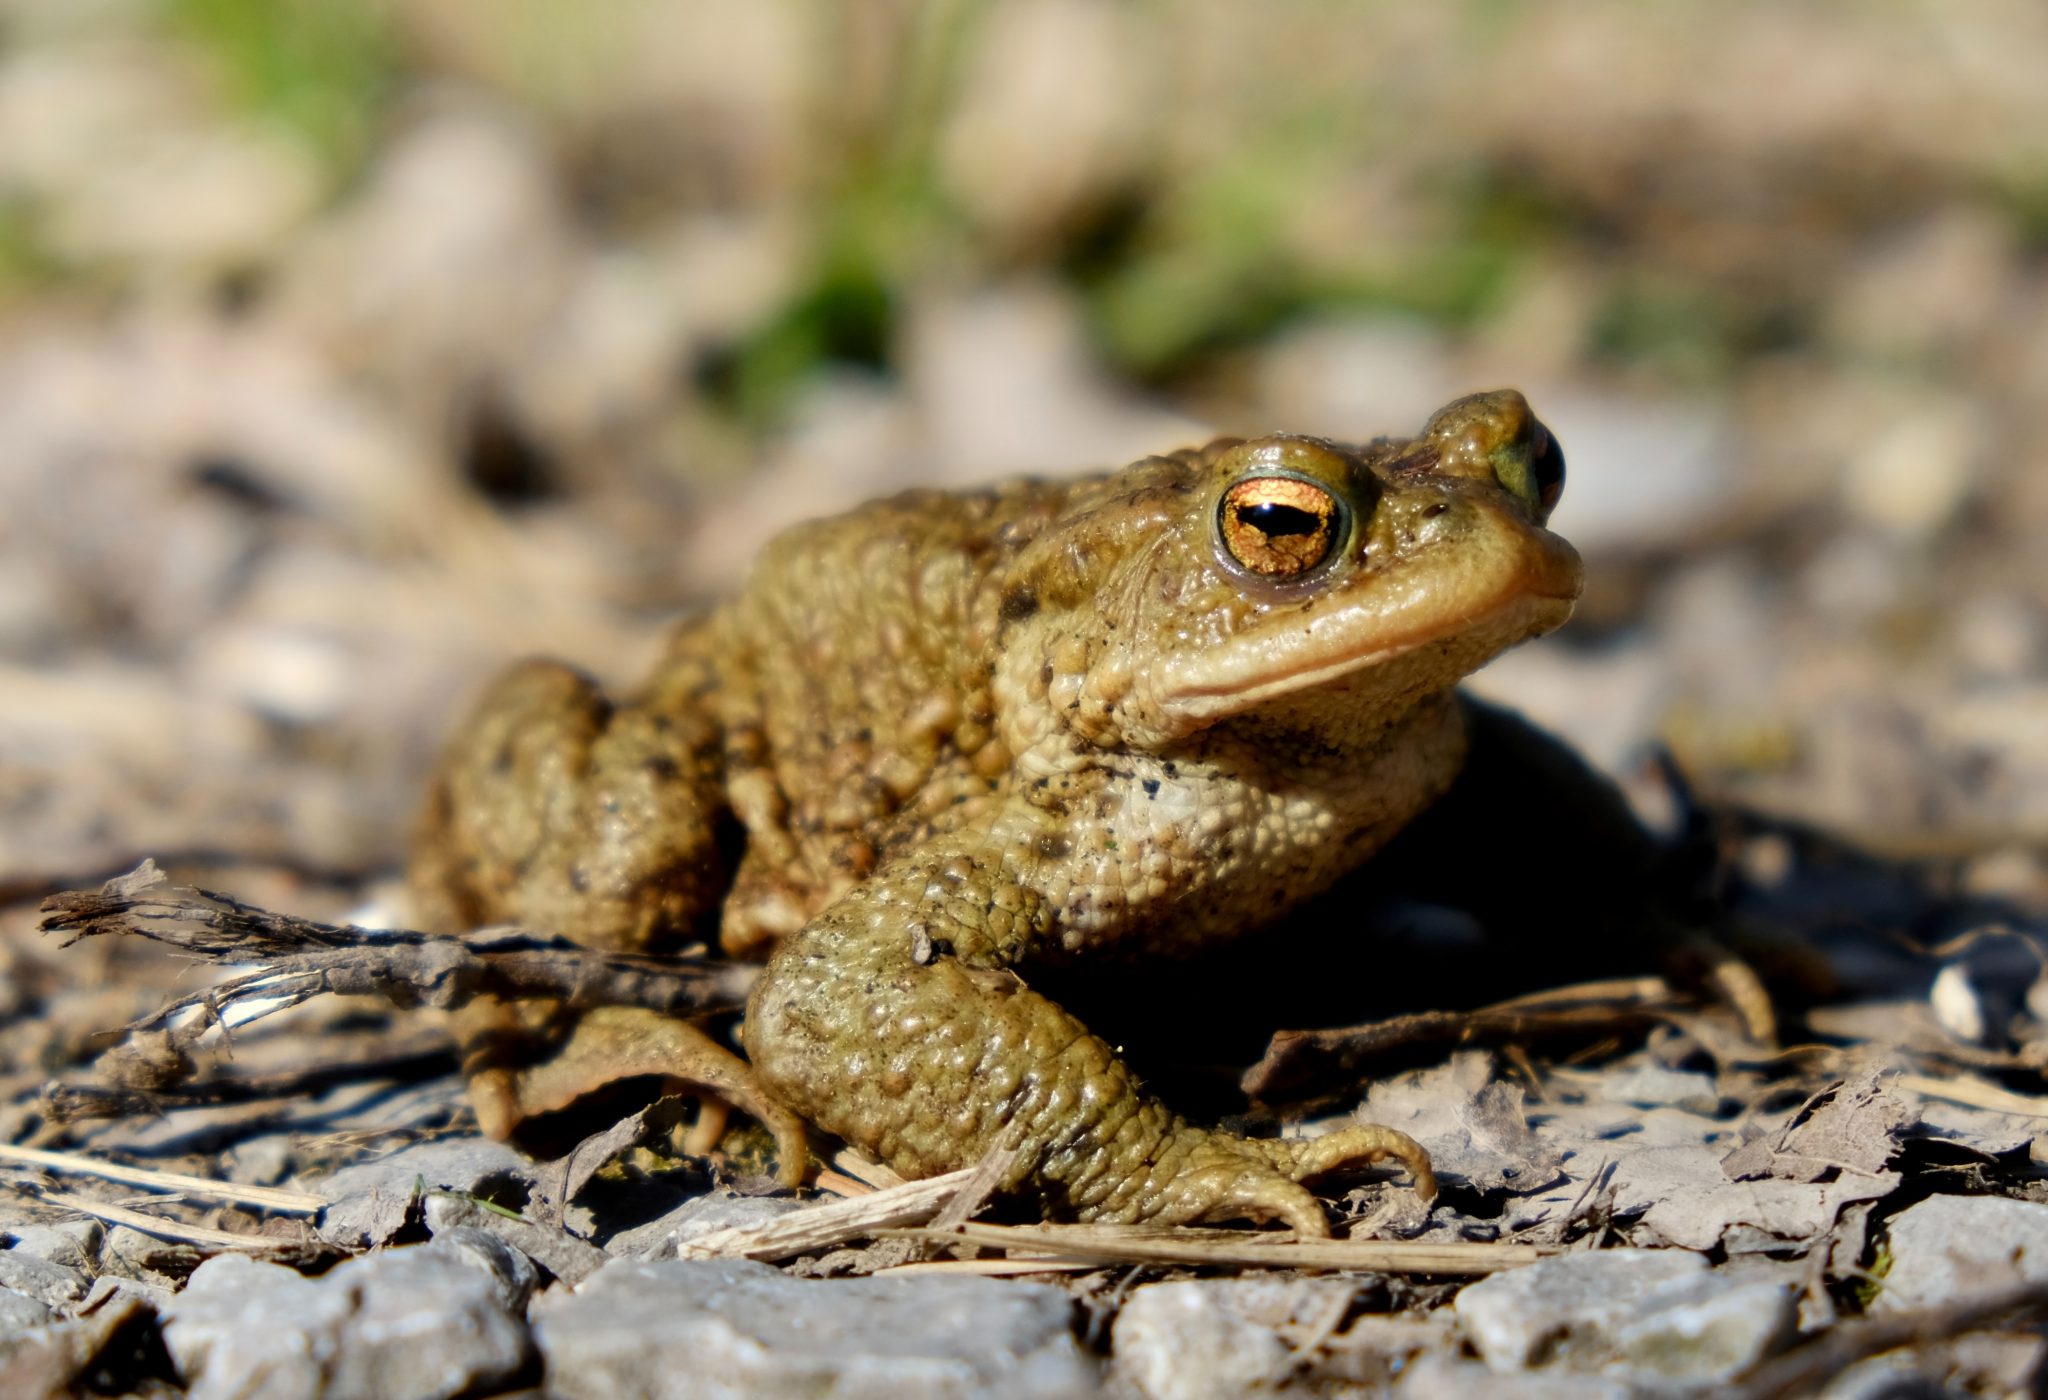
x,y
1421,639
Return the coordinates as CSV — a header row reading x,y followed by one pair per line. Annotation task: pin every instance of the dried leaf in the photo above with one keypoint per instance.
x,y
1850,1126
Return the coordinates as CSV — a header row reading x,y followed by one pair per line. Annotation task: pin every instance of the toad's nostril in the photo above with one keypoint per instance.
x,y
1435,509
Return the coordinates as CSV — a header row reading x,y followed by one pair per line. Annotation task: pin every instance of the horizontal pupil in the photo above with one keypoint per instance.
x,y
1272,519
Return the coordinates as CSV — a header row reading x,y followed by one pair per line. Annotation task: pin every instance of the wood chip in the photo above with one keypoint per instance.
x,y
861,1169
828,1226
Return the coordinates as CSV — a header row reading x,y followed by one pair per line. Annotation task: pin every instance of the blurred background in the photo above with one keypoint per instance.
x,y
348,349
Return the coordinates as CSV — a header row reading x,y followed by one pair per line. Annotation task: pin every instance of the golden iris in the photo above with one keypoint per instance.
x,y
1278,526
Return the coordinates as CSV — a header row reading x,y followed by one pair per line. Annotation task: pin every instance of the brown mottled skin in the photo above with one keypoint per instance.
x,y
968,735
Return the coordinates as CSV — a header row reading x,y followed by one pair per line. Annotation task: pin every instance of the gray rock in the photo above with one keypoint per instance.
x,y
134,1254
1948,1247
569,1259
1648,1314
53,1285
511,1272
719,1210
1447,1378
156,1296
1654,1086
73,1243
372,1200
18,1311
415,1322
1711,1330
705,1329
1212,1339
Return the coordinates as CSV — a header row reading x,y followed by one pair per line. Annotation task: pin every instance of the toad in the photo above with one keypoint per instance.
x,y
952,738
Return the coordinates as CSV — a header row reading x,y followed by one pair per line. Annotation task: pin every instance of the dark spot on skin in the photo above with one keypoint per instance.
x,y
1054,847
662,768
501,761
1172,769
1151,786
1045,674
578,881
1018,604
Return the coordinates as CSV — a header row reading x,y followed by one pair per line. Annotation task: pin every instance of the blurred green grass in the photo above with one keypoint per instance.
x,y
1176,263
318,69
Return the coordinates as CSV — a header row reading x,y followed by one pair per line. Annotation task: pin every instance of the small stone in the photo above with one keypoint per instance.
x,y
1712,1331
19,1311
1654,1086
73,1243
1447,1378
1216,1338
413,1322
562,1254
511,1271
132,1253
1950,1247
1560,1307
1639,1313
53,1285
732,1328
373,1200
1957,1007
156,1296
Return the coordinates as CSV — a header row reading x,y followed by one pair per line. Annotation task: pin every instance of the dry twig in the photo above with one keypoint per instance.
x,y
1297,1059
808,1231
1804,1369
299,959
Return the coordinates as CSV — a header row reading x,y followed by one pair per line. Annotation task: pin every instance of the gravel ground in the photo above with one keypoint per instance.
x,y
348,352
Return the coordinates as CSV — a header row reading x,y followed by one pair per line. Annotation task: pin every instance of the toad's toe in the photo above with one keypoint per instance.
x,y
610,1043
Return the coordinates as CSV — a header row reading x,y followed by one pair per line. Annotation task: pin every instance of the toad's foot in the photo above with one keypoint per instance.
x,y
1204,1177
610,1043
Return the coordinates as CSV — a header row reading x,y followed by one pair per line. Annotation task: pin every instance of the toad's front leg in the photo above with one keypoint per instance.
x,y
894,1020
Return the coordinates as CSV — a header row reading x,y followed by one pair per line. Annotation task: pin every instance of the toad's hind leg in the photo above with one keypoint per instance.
x,y
894,1019
555,809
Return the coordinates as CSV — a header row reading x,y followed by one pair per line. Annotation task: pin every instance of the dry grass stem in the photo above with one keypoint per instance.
x,y
1806,1368
167,1229
1234,1248
1975,1093
265,1197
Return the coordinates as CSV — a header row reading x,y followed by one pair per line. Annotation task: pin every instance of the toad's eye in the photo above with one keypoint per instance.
x,y
1279,526
1546,470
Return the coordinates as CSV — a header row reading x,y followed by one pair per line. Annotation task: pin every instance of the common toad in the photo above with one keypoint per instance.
x,y
947,739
